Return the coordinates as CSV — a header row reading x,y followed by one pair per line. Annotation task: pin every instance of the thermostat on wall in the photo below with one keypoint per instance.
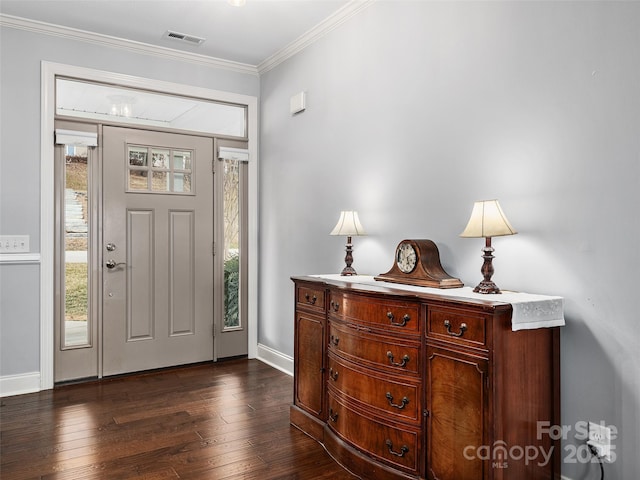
x,y
298,103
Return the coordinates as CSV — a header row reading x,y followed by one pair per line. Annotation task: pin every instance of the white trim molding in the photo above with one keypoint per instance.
x,y
19,384
333,21
129,45
276,359
19,258
352,8
47,215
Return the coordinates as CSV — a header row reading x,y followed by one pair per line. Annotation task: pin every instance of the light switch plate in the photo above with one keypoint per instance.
x,y
14,243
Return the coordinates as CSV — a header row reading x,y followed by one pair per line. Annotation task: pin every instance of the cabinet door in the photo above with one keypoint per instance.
x,y
457,415
309,363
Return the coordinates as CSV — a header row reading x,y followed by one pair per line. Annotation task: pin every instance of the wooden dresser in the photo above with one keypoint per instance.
x,y
401,384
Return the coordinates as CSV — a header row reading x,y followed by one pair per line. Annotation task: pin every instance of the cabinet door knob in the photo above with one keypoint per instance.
x,y
311,300
333,374
333,416
463,328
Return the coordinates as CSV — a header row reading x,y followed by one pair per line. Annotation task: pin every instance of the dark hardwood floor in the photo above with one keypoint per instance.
x,y
228,420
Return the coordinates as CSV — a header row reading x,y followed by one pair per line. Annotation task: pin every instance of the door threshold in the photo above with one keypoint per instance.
x,y
236,357
141,373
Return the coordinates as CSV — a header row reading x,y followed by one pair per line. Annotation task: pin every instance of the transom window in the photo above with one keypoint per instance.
x,y
159,170
80,99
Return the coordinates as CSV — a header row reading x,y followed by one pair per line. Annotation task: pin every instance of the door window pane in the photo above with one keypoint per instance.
x,y
182,160
160,158
182,182
76,229
160,182
138,180
171,171
138,156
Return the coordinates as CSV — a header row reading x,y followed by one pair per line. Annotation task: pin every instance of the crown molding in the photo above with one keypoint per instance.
x,y
129,45
328,24
333,21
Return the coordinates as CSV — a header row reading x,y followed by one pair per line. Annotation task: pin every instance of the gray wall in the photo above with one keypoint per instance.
x,y
416,110
22,53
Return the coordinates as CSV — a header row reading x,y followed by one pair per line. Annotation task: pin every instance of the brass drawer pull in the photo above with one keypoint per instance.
x,y
402,364
463,328
403,449
309,299
403,402
333,374
405,319
333,416
335,306
335,340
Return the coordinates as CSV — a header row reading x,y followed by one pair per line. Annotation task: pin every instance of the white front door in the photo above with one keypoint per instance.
x,y
157,250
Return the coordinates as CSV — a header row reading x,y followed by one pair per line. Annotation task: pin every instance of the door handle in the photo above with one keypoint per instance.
x,y
110,264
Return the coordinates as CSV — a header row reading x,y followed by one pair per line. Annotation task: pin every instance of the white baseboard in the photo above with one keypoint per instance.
x,y
19,384
276,359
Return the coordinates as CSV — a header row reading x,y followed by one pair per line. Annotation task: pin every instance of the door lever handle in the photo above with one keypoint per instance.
x,y
110,264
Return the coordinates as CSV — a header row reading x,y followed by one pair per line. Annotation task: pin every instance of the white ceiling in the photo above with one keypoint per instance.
x,y
249,34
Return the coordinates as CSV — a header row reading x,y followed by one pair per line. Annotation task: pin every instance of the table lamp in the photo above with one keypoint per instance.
x,y
348,225
487,220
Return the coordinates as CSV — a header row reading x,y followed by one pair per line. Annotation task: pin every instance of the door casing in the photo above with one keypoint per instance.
x,y
49,71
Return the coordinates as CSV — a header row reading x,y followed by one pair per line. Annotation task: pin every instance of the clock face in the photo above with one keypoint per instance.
x,y
406,257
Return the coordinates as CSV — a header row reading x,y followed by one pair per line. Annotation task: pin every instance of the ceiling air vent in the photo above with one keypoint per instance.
x,y
183,37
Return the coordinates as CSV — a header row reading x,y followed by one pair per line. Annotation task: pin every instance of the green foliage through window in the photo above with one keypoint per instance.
x,y
231,291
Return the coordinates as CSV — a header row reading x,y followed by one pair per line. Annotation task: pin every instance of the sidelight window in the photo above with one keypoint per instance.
x,y
75,272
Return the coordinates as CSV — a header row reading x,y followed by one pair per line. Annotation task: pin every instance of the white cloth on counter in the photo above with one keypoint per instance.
x,y
530,311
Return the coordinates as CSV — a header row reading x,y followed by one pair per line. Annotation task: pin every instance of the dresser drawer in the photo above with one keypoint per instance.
x,y
397,356
310,298
383,396
458,326
392,444
379,313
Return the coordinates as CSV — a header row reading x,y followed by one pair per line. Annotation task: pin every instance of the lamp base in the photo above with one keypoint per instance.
x,y
487,287
348,271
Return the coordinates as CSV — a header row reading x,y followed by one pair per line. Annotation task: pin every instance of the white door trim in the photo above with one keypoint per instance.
x,y
47,215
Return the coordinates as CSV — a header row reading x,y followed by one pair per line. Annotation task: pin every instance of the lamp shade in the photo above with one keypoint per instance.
x,y
487,220
348,225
